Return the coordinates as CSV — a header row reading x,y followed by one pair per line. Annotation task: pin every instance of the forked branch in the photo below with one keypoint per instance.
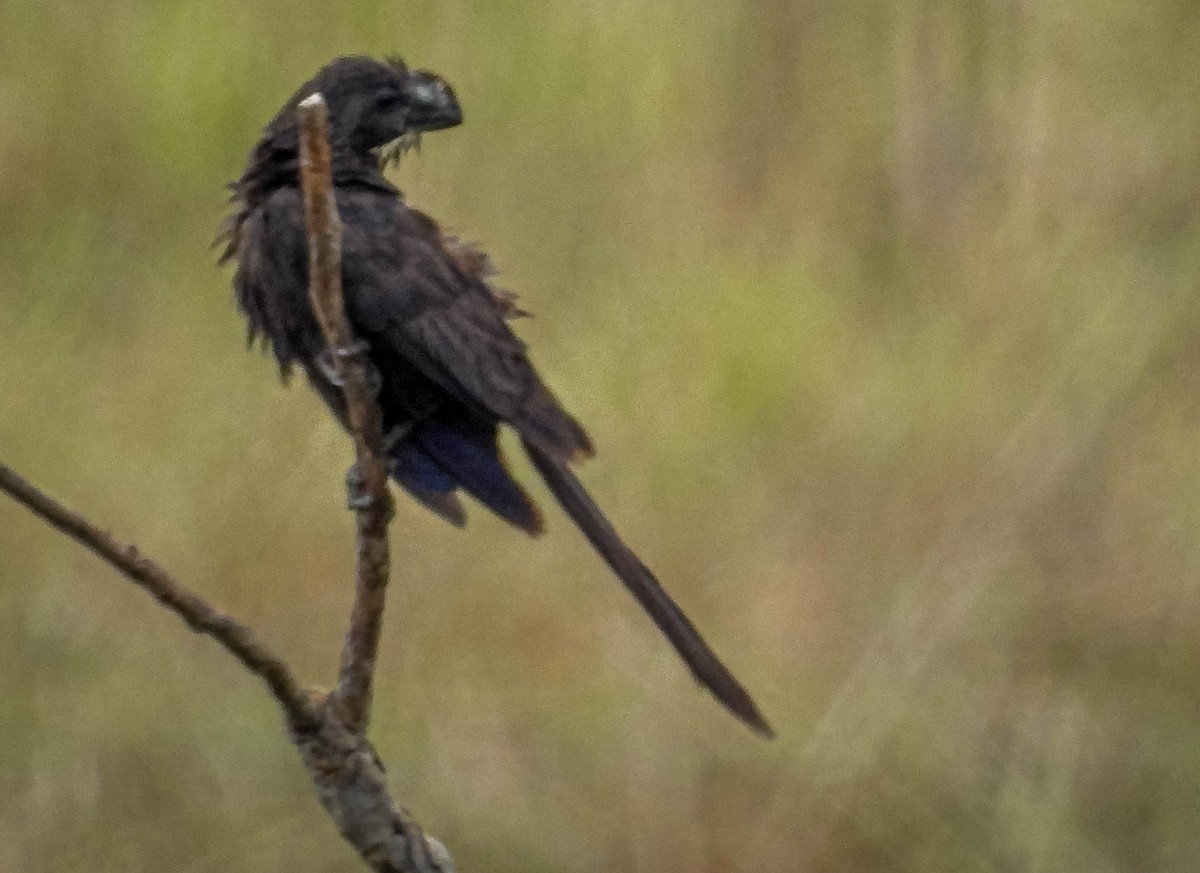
x,y
329,731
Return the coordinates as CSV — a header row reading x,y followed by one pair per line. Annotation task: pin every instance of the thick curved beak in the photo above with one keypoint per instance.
x,y
431,103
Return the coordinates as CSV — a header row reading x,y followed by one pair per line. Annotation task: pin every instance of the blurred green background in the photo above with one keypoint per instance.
x,y
883,318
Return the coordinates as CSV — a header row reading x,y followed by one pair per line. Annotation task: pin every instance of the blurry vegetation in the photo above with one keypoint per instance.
x,y
884,319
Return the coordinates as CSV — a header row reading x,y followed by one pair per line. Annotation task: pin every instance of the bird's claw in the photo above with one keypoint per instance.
x,y
358,497
327,363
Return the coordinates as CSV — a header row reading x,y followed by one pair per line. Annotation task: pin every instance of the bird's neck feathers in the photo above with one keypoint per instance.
x,y
275,164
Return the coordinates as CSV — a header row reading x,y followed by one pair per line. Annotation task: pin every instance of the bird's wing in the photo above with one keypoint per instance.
x,y
413,296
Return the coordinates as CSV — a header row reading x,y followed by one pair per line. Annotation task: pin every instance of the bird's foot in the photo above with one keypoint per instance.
x,y
328,364
358,497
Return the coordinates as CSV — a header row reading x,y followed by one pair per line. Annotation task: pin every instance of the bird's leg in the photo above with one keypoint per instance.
x,y
356,494
395,436
374,380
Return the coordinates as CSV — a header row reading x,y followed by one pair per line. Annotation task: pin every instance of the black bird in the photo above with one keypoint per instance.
x,y
450,368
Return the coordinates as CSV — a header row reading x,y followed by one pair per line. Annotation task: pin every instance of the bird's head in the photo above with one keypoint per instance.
x,y
374,106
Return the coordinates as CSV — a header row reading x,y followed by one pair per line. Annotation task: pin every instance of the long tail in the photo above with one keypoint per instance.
x,y
705,666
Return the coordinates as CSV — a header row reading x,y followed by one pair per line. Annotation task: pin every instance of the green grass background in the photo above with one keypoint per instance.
x,y
884,319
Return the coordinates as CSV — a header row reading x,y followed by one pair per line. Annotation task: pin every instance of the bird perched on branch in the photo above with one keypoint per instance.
x,y
436,330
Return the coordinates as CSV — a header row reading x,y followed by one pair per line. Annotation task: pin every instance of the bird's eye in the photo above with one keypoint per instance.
x,y
387,99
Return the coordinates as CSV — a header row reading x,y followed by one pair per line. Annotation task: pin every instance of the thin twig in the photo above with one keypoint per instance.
x,y
200,616
352,699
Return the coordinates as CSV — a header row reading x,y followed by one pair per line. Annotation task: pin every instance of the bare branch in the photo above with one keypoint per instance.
x,y
352,700
344,768
200,616
342,764
328,731
352,787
